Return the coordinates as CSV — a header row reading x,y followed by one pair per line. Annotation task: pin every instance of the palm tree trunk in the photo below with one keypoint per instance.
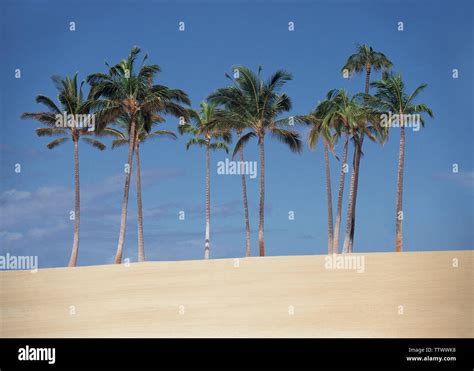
x,y
354,194
340,194
77,203
329,194
367,78
126,191
246,207
356,169
141,243
350,206
401,164
261,224
207,245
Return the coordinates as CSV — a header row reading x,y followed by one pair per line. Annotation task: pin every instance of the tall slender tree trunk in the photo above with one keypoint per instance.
x,y
358,155
207,245
261,225
246,207
350,206
401,164
329,194
77,204
356,188
141,243
340,195
126,191
368,68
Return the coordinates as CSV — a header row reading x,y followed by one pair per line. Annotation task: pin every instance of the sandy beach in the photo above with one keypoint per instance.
x,y
412,294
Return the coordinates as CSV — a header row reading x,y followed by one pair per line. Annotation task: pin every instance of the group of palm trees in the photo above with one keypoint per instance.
x,y
128,105
342,116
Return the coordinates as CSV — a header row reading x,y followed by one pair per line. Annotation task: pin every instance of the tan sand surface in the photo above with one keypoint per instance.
x,y
411,294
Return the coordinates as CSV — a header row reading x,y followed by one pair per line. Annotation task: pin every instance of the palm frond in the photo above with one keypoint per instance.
x,y
219,145
95,143
47,118
56,142
158,134
41,132
48,102
119,142
242,142
289,137
114,133
195,142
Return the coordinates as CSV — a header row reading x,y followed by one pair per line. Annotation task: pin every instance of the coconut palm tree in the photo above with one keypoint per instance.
x,y
205,134
368,60
346,116
230,121
339,114
391,98
128,90
121,133
71,119
237,123
260,104
321,127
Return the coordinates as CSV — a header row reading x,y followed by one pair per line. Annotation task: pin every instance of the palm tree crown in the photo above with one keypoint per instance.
x,y
257,104
392,97
72,102
209,127
366,59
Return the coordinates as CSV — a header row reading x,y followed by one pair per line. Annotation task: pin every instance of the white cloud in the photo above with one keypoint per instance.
x,y
18,208
42,232
14,195
462,178
10,236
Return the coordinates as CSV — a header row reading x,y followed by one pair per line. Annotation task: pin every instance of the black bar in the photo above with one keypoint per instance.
x,y
241,353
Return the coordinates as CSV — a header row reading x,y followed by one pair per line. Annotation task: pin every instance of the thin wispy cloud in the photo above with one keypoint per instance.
x,y
462,178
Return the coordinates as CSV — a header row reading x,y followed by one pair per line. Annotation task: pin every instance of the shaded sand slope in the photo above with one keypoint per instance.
x,y
217,298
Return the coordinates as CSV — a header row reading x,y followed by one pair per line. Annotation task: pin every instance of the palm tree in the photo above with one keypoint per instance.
x,y
347,116
237,124
143,133
321,126
338,114
206,135
124,91
259,104
233,121
365,59
72,121
391,98
230,121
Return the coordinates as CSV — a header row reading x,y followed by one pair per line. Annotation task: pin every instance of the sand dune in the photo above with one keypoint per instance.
x,y
414,294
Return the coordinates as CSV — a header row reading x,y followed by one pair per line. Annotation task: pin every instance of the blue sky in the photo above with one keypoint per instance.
x,y
35,204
